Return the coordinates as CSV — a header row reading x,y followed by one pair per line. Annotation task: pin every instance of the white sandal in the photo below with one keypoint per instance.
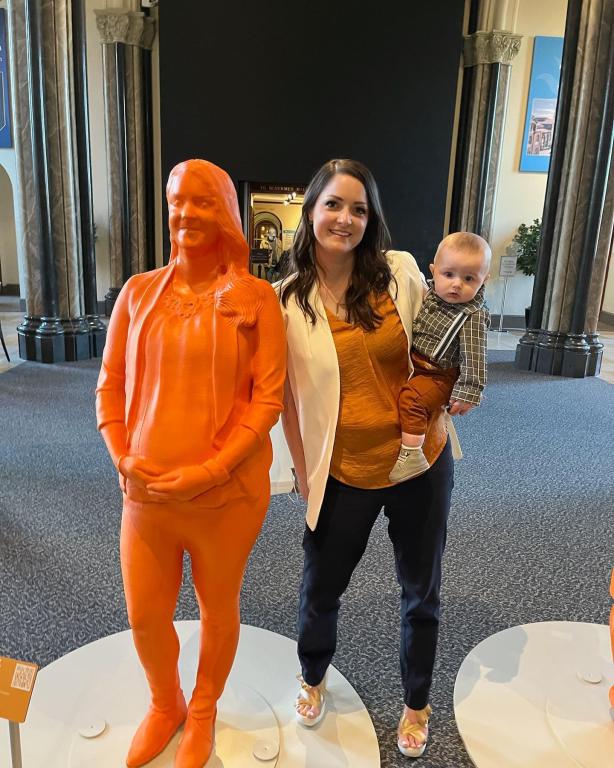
x,y
312,696
418,730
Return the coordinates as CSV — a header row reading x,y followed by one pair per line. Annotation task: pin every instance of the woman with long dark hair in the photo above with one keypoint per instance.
x,y
348,305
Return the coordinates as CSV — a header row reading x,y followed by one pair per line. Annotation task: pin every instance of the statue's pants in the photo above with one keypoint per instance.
x,y
153,539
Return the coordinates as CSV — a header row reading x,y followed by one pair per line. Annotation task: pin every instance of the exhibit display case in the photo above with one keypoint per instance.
x,y
271,213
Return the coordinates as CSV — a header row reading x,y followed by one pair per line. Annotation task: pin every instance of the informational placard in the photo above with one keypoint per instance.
x,y
288,238
541,104
16,686
5,109
507,267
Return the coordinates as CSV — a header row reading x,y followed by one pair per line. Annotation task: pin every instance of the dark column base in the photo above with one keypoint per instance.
x,y
98,335
77,339
97,341
526,351
574,355
549,357
50,348
49,340
41,339
109,300
595,354
26,331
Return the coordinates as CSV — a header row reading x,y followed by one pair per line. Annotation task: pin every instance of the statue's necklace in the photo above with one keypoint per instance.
x,y
186,304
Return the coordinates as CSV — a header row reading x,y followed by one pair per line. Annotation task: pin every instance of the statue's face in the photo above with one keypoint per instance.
x,y
192,212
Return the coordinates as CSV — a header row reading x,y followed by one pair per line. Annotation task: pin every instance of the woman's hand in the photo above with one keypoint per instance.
x,y
138,469
185,483
459,407
300,483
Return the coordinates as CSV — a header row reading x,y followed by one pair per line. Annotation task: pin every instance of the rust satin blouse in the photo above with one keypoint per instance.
x,y
373,365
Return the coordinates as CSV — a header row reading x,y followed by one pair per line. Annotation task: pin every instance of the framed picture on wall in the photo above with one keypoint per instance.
x,y
5,114
541,104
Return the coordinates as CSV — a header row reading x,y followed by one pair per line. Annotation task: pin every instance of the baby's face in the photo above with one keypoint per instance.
x,y
458,275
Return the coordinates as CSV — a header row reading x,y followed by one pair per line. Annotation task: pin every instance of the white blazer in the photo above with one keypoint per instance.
x,y
313,371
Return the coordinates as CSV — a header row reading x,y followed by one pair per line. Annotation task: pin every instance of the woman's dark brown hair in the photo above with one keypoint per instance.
x,y
371,273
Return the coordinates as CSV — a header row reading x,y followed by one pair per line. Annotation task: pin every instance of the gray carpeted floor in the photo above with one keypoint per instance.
x,y
531,535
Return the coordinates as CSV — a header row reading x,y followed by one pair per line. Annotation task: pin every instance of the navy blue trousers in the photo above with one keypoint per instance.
x,y
417,512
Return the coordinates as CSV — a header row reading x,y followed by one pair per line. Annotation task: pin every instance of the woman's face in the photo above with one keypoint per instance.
x,y
340,215
192,212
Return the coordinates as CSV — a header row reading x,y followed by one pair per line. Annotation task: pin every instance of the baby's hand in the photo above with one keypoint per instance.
x,y
459,407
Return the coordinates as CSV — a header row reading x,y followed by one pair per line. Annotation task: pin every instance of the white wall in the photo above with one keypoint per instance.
x,y
608,295
98,147
520,196
8,236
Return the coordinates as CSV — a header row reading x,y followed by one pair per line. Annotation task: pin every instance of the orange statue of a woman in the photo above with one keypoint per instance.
x,y
190,385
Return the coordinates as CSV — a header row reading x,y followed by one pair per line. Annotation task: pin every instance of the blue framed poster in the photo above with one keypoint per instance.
x,y
541,104
5,109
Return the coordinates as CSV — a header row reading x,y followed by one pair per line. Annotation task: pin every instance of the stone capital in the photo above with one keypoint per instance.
x,y
116,25
496,47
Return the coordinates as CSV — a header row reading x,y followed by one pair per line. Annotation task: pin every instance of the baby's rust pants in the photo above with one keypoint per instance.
x,y
428,389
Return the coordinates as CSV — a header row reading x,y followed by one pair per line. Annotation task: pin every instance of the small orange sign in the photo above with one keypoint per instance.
x,y
16,686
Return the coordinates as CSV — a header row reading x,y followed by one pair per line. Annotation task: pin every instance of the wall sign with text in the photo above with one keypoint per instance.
x,y
5,109
541,104
507,266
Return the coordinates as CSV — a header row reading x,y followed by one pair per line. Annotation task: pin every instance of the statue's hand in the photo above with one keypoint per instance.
x,y
138,469
184,483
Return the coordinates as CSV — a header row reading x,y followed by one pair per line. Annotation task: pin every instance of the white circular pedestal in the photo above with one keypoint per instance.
x,y
103,683
521,698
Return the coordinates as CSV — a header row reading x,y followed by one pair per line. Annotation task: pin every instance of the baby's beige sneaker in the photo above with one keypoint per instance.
x,y
410,463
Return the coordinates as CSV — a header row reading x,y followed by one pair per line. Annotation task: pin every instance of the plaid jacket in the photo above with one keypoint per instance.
x,y
436,335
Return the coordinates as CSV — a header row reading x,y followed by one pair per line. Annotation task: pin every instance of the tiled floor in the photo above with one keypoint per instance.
x,y
607,362
9,319
506,340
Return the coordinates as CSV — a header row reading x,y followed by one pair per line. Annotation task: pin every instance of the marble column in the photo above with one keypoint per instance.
x,y
125,35
578,217
487,58
97,328
55,327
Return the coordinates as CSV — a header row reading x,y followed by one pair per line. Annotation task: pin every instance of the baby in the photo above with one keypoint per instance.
x,y
448,346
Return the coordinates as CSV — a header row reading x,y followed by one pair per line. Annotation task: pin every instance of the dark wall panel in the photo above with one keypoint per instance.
x,y
271,90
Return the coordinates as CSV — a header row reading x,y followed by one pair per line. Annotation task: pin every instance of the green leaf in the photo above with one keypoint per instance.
x,y
527,246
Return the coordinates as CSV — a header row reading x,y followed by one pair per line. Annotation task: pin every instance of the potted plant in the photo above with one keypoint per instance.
x,y
526,242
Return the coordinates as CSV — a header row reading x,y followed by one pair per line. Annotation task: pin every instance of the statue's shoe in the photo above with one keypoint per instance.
x,y
153,734
197,743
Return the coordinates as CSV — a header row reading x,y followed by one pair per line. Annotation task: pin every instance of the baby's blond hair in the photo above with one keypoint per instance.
x,y
467,242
